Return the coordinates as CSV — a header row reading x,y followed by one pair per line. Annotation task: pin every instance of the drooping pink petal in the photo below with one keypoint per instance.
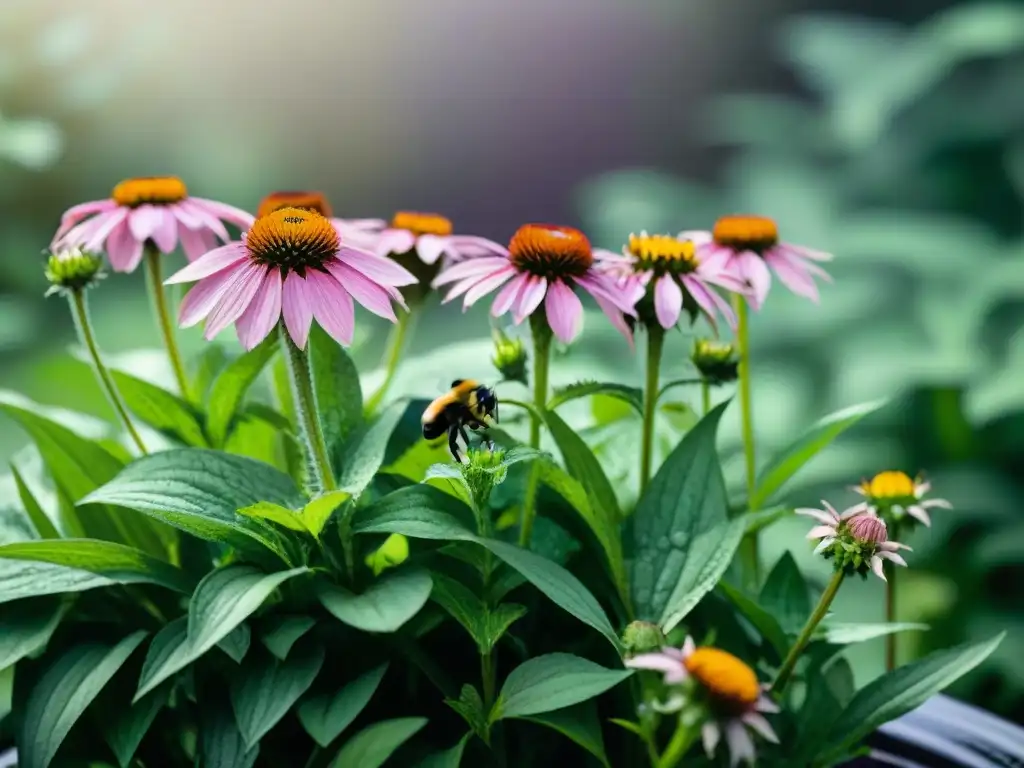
x,y
394,241
529,298
893,546
824,544
297,309
657,662
359,233
382,271
618,320
689,646
209,263
920,513
862,506
363,290
476,267
263,312
715,260
488,284
757,275
196,216
238,294
710,735
920,489
808,253
821,531
936,504
765,704
698,237
741,746
708,297
204,296
241,219
817,514
793,275
760,724
876,567
564,311
166,233
144,220
124,251
668,301
195,243
597,284
470,246
430,247
855,510
893,557
462,287
332,306
103,225
831,510
507,295
77,213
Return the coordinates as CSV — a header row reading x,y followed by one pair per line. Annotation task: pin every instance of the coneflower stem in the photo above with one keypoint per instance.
x,y
655,344
705,396
786,670
684,737
890,609
158,295
748,548
541,360
318,456
80,312
397,340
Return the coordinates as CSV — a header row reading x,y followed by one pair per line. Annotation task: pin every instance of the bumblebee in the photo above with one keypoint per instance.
x,y
467,404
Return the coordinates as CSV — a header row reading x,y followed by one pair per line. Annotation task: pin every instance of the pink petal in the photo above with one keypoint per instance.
x,y
363,290
808,253
470,246
197,217
395,241
430,247
529,298
204,296
145,220
893,557
793,275
332,306
894,546
876,567
618,319
124,251
462,287
821,531
209,263
698,237
237,296
936,504
688,647
760,724
76,213
488,284
297,309
824,544
262,314
241,219
857,509
658,662
817,514
668,301
102,225
741,746
723,306
380,270
757,275
564,310
195,243
920,489
710,735
920,513
765,704
357,234
475,267
598,284
507,295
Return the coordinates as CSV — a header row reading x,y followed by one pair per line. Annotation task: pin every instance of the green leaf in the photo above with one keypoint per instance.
x,y
578,723
230,386
553,681
683,538
902,690
317,512
198,491
339,398
461,604
785,596
629,395
764,621
224,599
236,642
385,606
160,409
220,741
376,743
126,728
263,691
275,513
836,633
499,619
115,563
62,694
363,453
21,579
40,520
449,758
280,633
208,363
793,457
470,707
326,717
26,626
78,466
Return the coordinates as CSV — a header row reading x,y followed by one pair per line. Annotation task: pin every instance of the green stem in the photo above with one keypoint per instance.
x,y
488,677
80,313
541,361
705,393
317,454
749,546
158,295
682,740
655,344
890,609
786,670
397,340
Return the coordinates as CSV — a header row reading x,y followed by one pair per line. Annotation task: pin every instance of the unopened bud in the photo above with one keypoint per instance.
x,y
509,357
643,637
717,361
72,269
868,529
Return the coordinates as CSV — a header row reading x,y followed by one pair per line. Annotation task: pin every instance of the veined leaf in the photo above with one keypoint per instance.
x,y
785,596
629,395
385,606
553,681
793,457
838,633
449,758
40,520
280,633
339,397
160,409
126,729
764,621
578,723
275,513
220,741
236,642
26,626
230,386
362,454
376,743
326,717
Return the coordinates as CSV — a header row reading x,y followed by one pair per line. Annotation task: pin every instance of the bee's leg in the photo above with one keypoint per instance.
x,y
453,444
465,435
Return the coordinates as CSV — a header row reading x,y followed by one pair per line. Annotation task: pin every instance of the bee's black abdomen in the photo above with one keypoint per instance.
x,y
435,428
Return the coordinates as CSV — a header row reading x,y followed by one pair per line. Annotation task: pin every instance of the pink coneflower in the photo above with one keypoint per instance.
x,y
746,246
541,264
293,263
856,539
157,210
895,493
429,235
681,278
724,687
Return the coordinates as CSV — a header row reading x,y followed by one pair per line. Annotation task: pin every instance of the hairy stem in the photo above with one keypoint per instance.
x,y
80,313
655,344
749,547
786,670
890,609
317,455
158,296
682,740
541,360
397,340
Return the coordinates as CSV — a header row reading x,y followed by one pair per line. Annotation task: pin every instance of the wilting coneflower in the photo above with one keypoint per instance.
x,y
150,216
542,265
718,692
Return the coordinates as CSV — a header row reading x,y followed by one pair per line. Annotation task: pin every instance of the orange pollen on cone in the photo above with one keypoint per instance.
x,y
729,681
310,201
746,233
293,239
550,251
156,190
422,223
889,485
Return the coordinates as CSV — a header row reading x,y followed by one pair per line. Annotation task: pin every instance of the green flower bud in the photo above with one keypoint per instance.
x,y
484,469
72,270
643,637
717,361
509,357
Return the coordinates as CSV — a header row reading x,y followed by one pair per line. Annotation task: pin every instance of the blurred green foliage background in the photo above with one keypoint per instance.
x,y
897,145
